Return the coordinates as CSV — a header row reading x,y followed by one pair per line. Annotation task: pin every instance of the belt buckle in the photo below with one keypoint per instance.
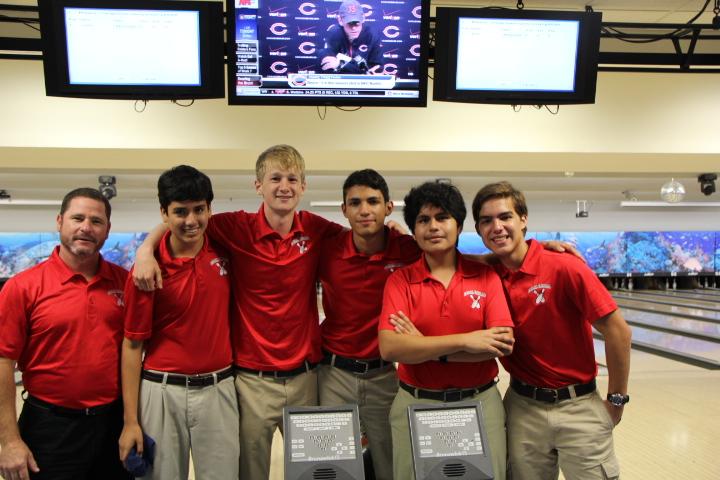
x,y
549,391
452,395
364,364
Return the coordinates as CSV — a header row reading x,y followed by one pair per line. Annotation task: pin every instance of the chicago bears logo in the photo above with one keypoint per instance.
x,y
279,67
307,48
278,28
391,31
307,8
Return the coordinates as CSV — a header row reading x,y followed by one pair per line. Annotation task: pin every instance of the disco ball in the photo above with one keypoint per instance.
x,y
672,192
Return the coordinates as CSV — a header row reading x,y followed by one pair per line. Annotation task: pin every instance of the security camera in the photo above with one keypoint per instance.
x,y
107,186
583,209
707,183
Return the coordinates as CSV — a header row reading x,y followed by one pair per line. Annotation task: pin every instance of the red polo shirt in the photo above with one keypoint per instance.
x,y
65,332
274,310
554,298
186,323
474,300
353,285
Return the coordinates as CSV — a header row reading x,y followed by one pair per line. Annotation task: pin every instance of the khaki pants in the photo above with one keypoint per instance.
x,y
493,416
374,394
261,411
202,419
574,435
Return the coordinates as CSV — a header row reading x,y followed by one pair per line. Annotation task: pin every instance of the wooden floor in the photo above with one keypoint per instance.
x,y
670,429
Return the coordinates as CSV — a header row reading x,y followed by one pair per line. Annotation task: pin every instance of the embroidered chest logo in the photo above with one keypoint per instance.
x,y
391,267
222,264
302,242
475,297
540,291
119,297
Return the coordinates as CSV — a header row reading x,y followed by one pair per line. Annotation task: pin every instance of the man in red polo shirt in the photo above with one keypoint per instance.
x,y
353,271
187,397
555,417
462,322
61,321
274,256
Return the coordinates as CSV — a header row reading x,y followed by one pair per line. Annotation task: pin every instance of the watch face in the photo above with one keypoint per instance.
x,y
618,399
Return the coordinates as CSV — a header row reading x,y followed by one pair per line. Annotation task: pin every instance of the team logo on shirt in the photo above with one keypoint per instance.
x,y
539,291
119,297
475,297
391,267
302,242
221,263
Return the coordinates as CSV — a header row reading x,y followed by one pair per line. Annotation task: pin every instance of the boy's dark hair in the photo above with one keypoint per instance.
x,y
443,195
366,178
85,192
183,183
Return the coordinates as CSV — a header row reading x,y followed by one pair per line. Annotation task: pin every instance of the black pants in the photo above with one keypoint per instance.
x,y
73,447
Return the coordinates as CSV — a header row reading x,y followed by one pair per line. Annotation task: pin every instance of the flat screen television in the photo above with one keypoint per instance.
x,y
328,52
516,57
133,49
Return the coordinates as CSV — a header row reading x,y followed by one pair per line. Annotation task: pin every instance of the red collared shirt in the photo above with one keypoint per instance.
x,y
353,285
186,324
474,300
275,324
554,298
65,332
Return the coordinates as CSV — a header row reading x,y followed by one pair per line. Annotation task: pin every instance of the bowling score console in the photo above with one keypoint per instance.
x,y
323,443
449,441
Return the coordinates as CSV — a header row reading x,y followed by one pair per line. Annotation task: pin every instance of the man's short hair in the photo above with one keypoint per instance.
x,y
183,183
366,178
85,192
443,195
499,190
287,157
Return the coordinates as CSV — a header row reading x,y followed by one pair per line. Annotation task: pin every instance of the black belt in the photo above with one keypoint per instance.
x,y
451,395
551,395
306,367
72,412
352,365
204,380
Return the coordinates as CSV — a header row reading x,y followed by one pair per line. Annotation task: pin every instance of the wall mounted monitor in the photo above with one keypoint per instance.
x,y
323,443
449,441
328,52
133,49
516,57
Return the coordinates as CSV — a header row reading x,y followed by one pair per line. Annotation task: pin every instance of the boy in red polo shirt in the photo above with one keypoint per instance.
x,y
62,322
187,399
462,322
353,271
274,256
555,417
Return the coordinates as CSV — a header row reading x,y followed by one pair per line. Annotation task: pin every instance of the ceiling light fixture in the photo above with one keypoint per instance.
x,y
673,191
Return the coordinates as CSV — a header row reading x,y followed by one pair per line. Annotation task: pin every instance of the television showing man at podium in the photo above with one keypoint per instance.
x,y
351,46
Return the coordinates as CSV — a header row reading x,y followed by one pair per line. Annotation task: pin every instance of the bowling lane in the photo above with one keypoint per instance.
x,y
667,309
679,324
678,297
662,299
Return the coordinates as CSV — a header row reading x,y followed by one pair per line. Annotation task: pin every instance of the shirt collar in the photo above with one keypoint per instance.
x,y
265,230
419,272
391,250
530,264
166,256
66,273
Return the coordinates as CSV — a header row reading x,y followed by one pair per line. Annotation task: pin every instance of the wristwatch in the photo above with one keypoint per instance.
x,y
618,399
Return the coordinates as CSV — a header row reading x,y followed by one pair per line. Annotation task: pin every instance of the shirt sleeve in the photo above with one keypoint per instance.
x,y
14,319
395,298
138,312
497,313
222,228
589,294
